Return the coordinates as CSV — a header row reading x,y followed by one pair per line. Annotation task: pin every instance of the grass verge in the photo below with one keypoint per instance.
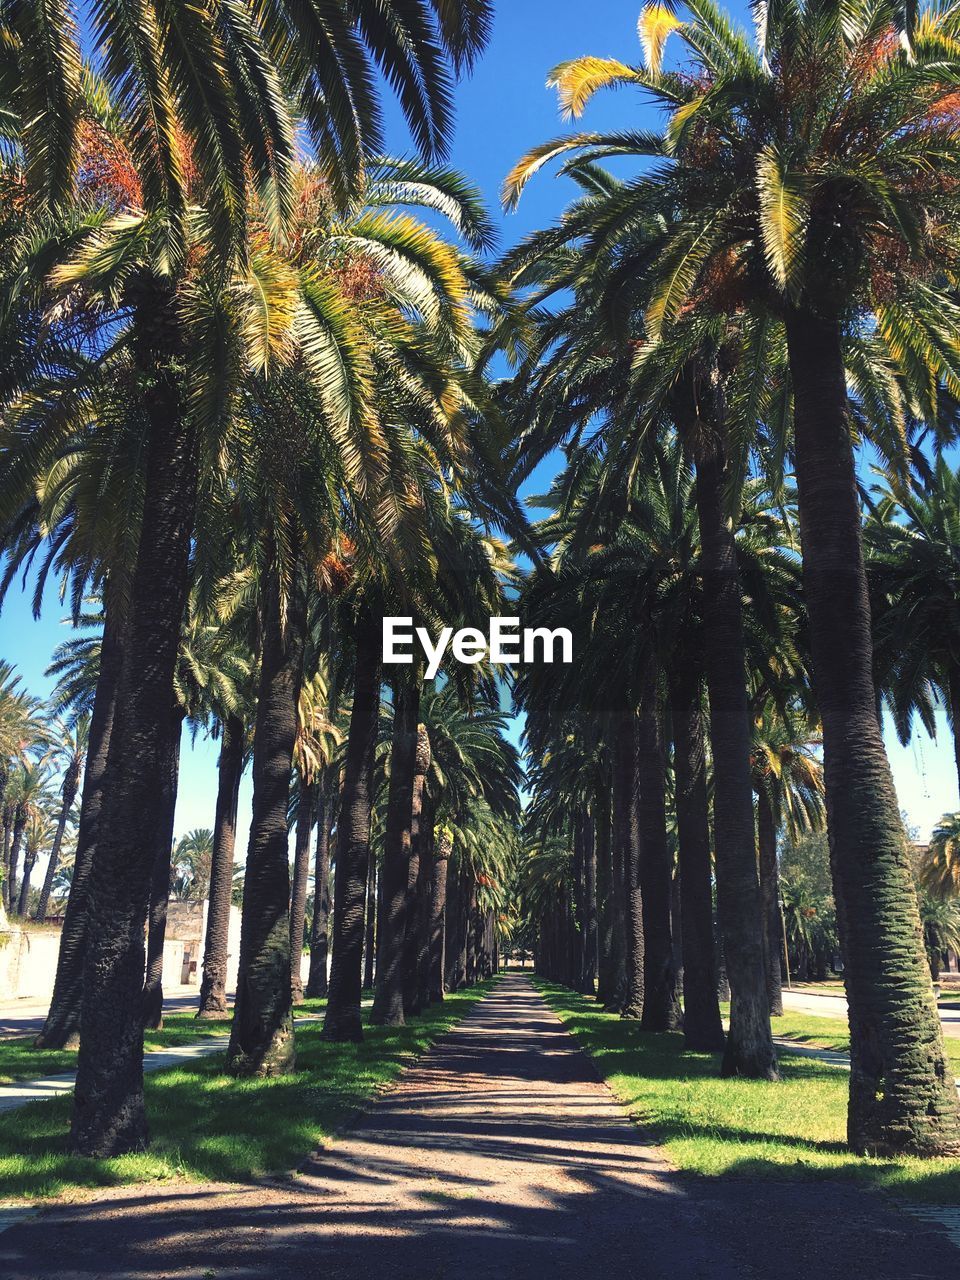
x,y
207,1126
741,1128
832,1033
19,1060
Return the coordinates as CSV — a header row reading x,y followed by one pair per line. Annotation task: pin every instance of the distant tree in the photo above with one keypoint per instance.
x,y
192,859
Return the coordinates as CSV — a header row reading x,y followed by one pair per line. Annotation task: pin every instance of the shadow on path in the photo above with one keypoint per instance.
x,y
500,1154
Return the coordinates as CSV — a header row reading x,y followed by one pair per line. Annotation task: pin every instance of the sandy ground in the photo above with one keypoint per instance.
x,y
499,1155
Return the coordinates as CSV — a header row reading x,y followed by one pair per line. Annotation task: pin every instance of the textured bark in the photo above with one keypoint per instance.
x,y
388,998
749,1049
471,936
213,987
108,1115
702,1026
261,1038
588,949
29,862
71,782
160,882
342,1021
902,1094
414,911
661,1011
626,819
425,901
443,847
62,1027
319,936
19,824
370,923
770,894
301,873
605,909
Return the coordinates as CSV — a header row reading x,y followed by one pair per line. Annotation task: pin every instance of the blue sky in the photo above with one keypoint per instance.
x,y
503,109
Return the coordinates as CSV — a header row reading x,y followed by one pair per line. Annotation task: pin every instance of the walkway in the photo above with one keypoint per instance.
x,y
499,1156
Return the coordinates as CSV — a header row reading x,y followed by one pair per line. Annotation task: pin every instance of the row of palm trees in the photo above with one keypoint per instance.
x,y
247,405
244,407
41,759
772,283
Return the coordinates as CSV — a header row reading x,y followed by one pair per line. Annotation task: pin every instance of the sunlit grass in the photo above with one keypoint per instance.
x,y
206,1126
19,1060
743,1128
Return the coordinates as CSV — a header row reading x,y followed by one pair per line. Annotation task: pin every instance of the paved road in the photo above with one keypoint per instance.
x,y
500,1156
835,1006
26,1016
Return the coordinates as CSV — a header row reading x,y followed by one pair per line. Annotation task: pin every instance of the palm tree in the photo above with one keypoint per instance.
x,y
823,106
939,867
788,779
940,918
192,862
317,739
227,116
29,795
913,540
71,748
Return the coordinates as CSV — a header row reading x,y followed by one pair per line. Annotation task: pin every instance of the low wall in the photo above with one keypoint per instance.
x,y
28,963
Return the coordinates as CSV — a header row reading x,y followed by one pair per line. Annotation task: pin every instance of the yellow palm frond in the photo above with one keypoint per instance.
x,y
578,80
655,25
533,162
784,216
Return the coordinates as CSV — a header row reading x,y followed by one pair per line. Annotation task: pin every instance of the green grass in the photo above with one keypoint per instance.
x,y
832,1033
19,1060
742,1128
207,1126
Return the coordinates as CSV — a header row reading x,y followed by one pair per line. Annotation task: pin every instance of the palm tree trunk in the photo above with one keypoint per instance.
x,y
29,861
588,949
8,812
342,1021
626,823
770,893
301,873
414,913
19,825
749,1049
160,883
61,1029
425,901
317,977
213,988
471,936
902,1094
68,794
702,1025
261,1038
605,942
388,999
370,924
108,1116
438,913
661,1012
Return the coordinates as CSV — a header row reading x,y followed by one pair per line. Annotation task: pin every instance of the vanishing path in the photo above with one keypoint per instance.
x,y
499,1156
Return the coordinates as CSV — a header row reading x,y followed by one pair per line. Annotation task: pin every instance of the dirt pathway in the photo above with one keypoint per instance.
x,y
499,1155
